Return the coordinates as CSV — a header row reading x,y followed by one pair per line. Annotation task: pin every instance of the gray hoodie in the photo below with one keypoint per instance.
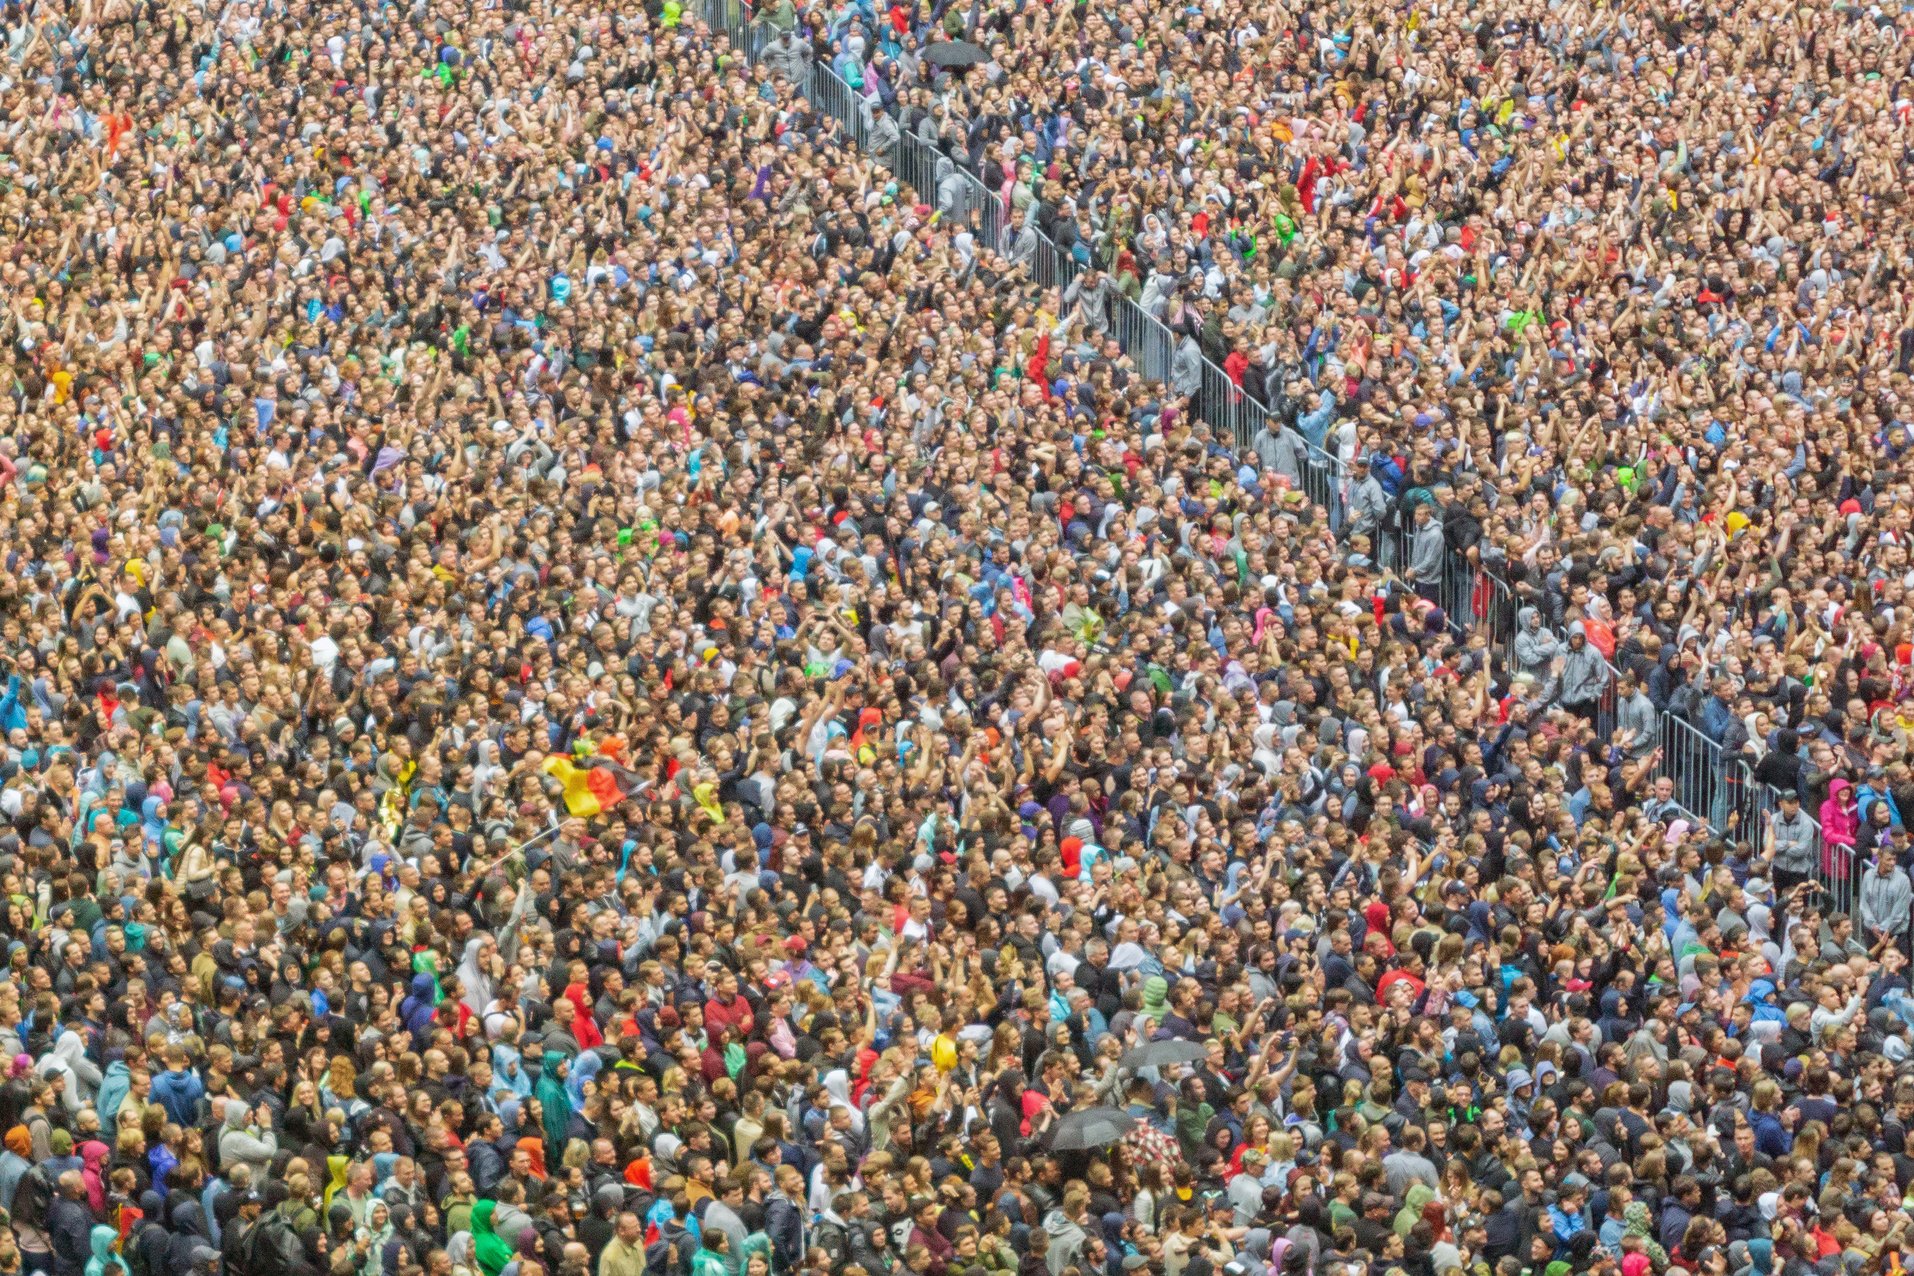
x,y
1367,504
1637,713
1535,647
1584,672
1427,550
1092,303
1066,1242
1794,842
1885,899
241,1143
1277,447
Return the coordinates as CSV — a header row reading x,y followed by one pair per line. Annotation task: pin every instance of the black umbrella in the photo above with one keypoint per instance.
x,y
1090,1128
1165,1053
955,53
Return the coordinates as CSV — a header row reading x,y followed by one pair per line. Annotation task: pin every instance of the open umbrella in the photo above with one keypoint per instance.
x,y
1164,1053
1090,1128
955,53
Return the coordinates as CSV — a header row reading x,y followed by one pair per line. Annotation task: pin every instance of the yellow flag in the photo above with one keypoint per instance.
x,y
579,799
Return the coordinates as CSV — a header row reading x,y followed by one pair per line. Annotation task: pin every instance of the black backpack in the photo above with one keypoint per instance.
x,y
271,1248
33,1197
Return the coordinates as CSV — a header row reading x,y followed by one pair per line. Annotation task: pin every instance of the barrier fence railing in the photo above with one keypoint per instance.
x,y
957,192
1717,789
1322,479
1696,766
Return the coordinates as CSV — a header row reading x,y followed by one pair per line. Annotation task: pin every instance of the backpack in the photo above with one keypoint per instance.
x,y
833,1239
658,1254
33,1197
146,1255
271,1248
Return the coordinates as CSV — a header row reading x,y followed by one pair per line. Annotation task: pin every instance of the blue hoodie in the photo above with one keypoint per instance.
x,y
113,1091
417,1010
179,1093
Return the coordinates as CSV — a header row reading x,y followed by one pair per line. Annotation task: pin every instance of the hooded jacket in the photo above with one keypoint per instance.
x,y
113,1090
419,1007
1885,900
1794,842
492,1251
243,1144
1584,672
1838,824
1535,646
1066,1241
104,1260
1637,714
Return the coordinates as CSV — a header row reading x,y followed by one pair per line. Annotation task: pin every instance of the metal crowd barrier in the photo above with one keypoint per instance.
x,y
1698,769
1721,789
941,181
1495,606
1840,877
1708,785
1147,341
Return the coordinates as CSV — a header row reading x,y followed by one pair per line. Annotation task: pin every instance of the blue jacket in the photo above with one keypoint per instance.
x,y
1716,718
179,1093
113,1091
1866,795
13,715
1771,1137
1563,1226
784,1221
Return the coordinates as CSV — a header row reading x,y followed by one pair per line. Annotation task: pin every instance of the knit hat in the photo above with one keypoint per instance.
x,y
1156,996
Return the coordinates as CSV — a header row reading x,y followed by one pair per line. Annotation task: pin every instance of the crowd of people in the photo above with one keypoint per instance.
x,y
595,685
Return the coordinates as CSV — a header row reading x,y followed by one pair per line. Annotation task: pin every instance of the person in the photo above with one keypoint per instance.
x,y
786,1221
1583,676
680,600
69,1226
1885,901
710,1258
625,1254
1791,841
237,1243
1427,553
